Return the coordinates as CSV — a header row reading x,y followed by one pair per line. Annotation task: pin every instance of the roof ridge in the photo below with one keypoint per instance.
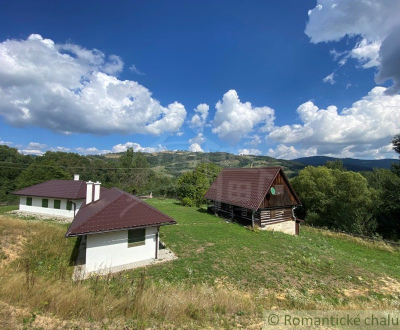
x,y
144,203
100,210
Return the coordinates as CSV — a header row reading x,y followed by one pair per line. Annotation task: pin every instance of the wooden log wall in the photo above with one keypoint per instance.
x,y
267,217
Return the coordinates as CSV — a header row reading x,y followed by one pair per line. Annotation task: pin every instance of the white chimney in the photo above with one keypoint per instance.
x,y
96,191
89,192
76,177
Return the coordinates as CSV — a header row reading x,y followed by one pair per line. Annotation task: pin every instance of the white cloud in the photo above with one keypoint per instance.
x,y
254,152
234,119
199,119
375,21
134,69
367,126
92,151
7,143
199,139
284,152
137,148
330,78
33,152
195,147
62,149
69,89
36,145
254,140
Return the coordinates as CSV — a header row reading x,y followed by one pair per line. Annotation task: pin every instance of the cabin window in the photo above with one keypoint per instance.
x,y
29,201
57,204
69,205
136,237
279,189
45,202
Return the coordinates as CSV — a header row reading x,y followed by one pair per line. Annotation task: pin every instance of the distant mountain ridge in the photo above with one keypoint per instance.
x,y
351,164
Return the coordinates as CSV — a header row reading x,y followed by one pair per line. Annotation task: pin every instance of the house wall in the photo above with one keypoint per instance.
x,y
111,249
50,210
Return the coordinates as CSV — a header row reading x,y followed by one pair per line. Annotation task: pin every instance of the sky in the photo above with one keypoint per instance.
x,y
286,79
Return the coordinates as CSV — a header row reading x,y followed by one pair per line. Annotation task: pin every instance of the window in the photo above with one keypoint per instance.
x,y
69,205
29,201
136,237
45,202
57,204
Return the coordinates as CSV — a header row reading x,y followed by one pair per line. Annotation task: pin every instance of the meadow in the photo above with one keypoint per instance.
x,y
226,274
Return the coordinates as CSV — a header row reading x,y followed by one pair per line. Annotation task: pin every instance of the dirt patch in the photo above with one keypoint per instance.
x,y
200,250
355,292
387,285
11,248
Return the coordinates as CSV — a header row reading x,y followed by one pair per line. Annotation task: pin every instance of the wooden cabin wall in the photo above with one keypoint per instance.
x,y
285,199
270,216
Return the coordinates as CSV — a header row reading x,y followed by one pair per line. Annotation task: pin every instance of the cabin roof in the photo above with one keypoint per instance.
x,y
245,187
116,210
56,189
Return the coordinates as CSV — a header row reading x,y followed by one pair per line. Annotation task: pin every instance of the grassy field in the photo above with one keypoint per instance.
x,y
226,275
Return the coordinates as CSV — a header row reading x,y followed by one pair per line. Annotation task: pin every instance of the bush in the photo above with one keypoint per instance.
x,y
186,201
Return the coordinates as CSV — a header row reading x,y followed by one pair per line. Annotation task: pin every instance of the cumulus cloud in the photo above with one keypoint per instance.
x,y
254,140
290,152
92,151
234,119
195,147
199,139
61,149
33,152
7,143
365,128
254,152
376,22
69,89
199,119
137,148
36,145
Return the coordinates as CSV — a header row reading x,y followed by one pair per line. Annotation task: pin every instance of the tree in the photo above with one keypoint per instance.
x,y
335,199
396,147
194,184
39,171
335,165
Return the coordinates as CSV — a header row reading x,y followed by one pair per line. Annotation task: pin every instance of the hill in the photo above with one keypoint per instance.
x,y
174,163
351,164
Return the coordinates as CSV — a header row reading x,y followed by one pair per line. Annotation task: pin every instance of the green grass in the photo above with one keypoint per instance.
x,y
209,249
4,209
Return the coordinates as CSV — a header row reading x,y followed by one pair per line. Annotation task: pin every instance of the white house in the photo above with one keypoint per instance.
x,y
119,229
55,197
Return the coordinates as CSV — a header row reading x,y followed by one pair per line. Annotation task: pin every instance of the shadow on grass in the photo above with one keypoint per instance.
x,y
75,251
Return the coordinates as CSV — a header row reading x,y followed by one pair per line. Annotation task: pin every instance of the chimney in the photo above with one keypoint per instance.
x,y
96,191
89,192
76,177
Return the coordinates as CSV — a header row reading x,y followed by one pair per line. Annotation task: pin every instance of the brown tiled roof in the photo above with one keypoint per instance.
x,y
56,189
116,210
245,187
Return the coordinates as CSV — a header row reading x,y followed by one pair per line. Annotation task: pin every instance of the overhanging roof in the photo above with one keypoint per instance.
x,y
70,189
245,187
116,210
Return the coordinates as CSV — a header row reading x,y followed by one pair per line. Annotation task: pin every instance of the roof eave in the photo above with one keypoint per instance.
x,y
67,235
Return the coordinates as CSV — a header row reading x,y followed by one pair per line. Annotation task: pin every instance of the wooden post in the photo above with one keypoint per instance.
x,y
252,218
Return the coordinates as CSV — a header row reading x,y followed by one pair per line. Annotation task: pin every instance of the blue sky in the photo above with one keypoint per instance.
x,y
280,78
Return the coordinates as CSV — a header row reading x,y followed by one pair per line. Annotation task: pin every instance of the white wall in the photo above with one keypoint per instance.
x,y
111,249
37,206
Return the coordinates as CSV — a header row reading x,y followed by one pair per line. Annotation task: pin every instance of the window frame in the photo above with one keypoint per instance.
x,y
136,240
45,203
29,201
58,201
69,206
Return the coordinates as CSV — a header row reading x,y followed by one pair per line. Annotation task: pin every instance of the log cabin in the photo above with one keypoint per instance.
x,y
262,196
